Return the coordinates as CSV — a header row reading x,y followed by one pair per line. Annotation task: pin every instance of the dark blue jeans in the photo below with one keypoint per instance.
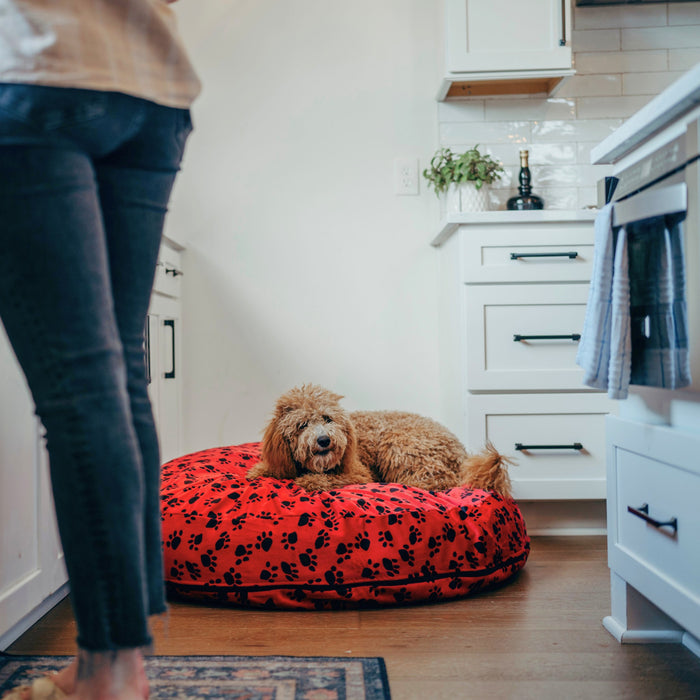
x,y
85,179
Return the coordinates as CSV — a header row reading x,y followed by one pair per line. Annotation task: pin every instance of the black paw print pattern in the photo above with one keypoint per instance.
x,y
269,544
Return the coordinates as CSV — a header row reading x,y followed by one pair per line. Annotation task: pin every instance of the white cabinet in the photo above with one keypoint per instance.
x,y
653,532
501,46
164,342
513,301
31,562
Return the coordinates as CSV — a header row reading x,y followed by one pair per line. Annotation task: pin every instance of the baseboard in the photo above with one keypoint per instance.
x,y
691,643
625,636
31,618
555,518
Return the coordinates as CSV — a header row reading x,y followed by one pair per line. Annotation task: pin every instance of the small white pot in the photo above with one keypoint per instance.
x,y
464,197
472,199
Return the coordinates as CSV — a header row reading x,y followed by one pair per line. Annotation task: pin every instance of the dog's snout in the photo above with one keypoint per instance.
x,y
323,441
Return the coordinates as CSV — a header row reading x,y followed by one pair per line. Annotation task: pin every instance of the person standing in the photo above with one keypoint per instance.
x,y
94,116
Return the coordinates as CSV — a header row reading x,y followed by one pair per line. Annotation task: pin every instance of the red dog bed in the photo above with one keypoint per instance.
x,y
268,543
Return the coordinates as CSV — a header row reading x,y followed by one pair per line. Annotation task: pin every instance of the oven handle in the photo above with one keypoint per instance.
x,y
651,203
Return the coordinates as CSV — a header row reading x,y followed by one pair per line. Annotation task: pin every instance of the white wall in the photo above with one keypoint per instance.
x,y
302,265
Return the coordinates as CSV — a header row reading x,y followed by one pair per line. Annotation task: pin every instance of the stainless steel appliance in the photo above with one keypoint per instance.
x,y
665,181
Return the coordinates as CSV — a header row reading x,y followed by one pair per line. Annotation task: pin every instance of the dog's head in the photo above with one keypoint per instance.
x,y
309,432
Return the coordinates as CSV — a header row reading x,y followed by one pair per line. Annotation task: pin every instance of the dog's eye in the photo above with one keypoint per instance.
x,y
302,426
327,419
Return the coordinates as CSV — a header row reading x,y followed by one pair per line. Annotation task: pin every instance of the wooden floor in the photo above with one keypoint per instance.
x,y
538,637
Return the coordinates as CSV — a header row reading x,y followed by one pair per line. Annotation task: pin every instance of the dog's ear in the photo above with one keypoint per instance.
x,y
276,454
349,461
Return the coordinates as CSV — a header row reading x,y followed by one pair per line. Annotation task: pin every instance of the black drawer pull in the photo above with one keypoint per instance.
x,y
571,254
643,513
572,446
170,323
572,336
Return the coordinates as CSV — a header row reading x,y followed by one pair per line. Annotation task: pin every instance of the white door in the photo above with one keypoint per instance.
x,y
31,563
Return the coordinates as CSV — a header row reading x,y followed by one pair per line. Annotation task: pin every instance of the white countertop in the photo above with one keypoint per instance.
x,y
452,222
675,101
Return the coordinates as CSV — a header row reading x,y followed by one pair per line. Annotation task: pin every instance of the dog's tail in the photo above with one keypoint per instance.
x,y
487,470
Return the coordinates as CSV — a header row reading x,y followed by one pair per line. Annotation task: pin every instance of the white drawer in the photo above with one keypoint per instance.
x,y
503,355
168,271
562,439
528,253
670,495
659,467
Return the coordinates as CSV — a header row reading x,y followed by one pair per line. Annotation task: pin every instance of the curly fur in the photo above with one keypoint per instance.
x,y
316,442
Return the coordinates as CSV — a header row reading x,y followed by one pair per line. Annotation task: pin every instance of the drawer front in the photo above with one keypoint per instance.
x,y
504,344
168,272
557,440
528,253
663,494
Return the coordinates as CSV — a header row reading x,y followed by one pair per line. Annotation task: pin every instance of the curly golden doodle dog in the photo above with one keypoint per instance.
x,y
316,442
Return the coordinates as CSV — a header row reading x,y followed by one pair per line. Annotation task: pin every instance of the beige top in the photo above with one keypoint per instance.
x,y
129,46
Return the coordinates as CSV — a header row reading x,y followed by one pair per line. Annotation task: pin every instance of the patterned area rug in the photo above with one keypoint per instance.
x,y
234,677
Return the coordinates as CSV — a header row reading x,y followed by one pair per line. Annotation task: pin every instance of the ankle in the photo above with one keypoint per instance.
x,y
107,675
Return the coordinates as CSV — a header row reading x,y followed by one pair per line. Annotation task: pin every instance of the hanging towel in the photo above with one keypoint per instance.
x,y
621,351
602,355
658,303
635,330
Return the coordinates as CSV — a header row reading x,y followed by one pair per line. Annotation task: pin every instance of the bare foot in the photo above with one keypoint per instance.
x,y
118,675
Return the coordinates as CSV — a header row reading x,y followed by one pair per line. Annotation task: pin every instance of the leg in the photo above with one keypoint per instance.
x,y
135,182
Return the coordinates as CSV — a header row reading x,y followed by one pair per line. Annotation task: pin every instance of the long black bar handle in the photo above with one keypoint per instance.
x,y
571,336
171,322
573,446
147,348
643,513
562,39
571,254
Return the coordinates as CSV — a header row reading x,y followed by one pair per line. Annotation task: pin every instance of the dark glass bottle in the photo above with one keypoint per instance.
x,y
525,200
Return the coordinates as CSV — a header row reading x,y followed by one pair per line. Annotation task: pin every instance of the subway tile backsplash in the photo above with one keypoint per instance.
x,y
624,55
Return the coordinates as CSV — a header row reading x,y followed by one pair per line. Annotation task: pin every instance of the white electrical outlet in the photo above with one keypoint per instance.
x,y
405,176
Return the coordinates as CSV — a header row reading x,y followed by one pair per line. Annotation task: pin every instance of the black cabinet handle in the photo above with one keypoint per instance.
x,y
147,348
171,323
569,254
572,336
643,513
562,38
173,271
572,446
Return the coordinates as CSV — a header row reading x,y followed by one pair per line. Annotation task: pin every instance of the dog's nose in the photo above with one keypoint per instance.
x,y
324,441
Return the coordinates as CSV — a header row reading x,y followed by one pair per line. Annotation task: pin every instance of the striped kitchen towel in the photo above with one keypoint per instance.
x,y
604,351
658,303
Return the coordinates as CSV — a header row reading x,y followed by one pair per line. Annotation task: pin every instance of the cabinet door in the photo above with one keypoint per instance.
x,y
31,563
503,35
165,389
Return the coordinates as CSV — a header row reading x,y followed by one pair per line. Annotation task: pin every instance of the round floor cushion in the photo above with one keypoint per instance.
x,y
268,543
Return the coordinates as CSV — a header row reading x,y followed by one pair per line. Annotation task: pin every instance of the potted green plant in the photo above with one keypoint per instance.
x,y
461,178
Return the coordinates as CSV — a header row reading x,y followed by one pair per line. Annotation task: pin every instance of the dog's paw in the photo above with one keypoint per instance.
x,y
256,471
313,482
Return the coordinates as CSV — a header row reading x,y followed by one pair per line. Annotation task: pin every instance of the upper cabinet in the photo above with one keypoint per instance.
x,y
500,47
